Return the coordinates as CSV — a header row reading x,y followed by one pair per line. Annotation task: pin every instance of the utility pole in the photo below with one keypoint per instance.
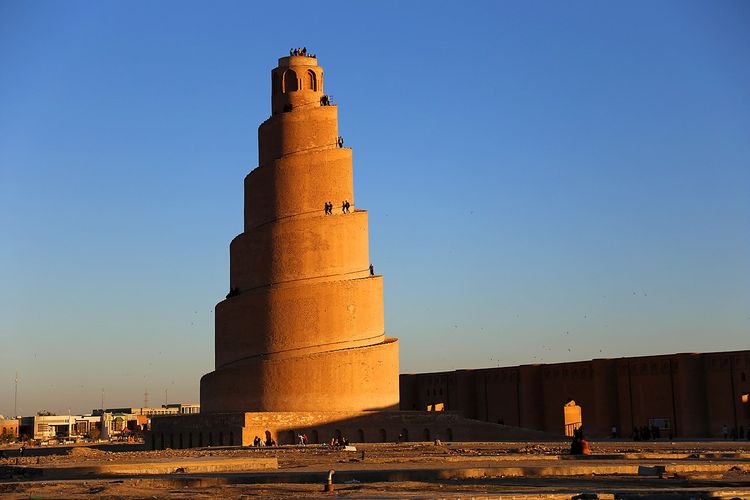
x,y
166,399
15,398
145,398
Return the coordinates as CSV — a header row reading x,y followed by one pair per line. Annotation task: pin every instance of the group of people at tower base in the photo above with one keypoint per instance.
x,y
336,442
258,442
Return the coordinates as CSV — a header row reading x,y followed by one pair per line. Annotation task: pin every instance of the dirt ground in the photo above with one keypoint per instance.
x,y
728,477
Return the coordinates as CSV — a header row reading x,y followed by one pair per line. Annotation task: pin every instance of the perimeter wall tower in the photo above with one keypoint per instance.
x,y
302,327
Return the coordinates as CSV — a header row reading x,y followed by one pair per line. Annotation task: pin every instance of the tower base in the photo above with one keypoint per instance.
x,y
363,378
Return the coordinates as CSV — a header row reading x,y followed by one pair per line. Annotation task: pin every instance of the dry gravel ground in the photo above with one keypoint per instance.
x,y
730,480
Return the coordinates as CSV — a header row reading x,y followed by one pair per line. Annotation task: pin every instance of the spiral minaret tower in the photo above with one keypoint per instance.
x,y
302,328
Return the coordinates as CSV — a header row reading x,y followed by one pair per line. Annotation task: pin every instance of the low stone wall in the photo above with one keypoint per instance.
x,y
195,431
233,429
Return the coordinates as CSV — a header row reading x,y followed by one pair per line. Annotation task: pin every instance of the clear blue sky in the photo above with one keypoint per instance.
x,y
546,181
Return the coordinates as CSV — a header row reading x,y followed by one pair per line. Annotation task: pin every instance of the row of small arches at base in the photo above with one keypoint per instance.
x,y
164,440
180,440
289,81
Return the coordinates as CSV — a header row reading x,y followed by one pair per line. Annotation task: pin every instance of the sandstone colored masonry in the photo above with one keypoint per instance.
x,y
300,339
688,395
302,327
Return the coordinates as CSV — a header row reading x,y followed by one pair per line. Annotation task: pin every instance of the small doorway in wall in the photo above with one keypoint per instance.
x,y
315,438
404,437
383,436
573,416
360,436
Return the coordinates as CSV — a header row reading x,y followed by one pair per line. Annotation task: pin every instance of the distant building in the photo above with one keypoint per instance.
x,y
105,424
185,409
58,426
169,409
118,424
8,427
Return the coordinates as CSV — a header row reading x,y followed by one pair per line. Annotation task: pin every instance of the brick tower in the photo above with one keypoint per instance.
x,y
302,327
300,338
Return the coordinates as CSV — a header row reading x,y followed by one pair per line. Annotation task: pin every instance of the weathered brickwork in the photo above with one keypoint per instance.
x,y
689,395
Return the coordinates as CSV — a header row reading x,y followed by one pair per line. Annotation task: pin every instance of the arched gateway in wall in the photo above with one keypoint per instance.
x,y
573,417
